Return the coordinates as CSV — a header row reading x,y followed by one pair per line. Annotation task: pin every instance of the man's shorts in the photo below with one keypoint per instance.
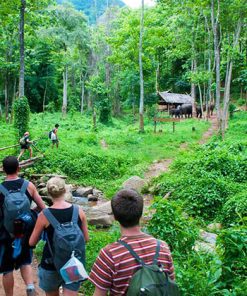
x,y
8,263
55,141
25,147
51,280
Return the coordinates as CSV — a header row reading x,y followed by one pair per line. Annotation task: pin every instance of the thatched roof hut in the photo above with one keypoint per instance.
x,y
170,100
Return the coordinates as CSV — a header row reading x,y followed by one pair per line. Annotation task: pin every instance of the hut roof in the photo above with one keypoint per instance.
x,y
175,98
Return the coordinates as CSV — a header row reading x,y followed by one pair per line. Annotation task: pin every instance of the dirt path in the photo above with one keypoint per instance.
x,y
161,166
212,130
19,288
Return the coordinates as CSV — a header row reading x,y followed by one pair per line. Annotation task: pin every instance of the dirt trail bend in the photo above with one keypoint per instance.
x,y
161,166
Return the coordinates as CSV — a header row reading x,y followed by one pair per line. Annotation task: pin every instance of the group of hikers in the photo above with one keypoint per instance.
x,y
26,143
136,264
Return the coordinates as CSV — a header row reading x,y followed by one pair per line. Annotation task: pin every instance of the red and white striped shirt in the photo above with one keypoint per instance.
x,y
115,266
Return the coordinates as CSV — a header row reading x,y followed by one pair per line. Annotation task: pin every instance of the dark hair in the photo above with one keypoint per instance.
x,y
127,207
57,125
10,165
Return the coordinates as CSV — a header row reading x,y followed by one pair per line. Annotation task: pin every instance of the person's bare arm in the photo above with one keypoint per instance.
x,y
84,227
36,197
99,292
40,225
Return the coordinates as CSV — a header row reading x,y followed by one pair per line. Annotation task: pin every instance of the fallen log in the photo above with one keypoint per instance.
x,y
26,163
16,145
38,176
8,147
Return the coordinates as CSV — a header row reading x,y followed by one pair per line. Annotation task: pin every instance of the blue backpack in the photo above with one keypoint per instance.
x,y
15,204
67,238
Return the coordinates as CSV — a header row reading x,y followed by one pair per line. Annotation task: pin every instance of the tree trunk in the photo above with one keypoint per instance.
x,y
157,77
209,68
246,101
82,95
201,104
228,81
44,97
13,100
141,107
215,28
65,86
6,99
193,88
22,48
89,101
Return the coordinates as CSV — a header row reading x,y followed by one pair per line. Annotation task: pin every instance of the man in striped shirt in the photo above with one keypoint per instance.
x,y
115,266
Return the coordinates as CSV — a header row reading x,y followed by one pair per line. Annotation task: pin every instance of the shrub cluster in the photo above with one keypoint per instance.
x,y
172,225
206,181
210,186
21,115
232,246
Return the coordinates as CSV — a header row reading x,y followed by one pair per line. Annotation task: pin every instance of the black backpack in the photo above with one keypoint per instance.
x,y
150,280
49,134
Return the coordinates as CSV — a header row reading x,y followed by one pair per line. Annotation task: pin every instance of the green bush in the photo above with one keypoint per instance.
x,y
104,110
225,160
172,225
203,196
21,115
234,210
206,179
89,139
196,274
232,247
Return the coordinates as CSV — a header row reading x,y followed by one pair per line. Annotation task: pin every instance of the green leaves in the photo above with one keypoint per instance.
x,y
21,115
171,224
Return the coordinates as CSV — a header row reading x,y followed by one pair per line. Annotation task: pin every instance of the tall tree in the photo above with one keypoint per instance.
x,y
215,29
141,107
22,49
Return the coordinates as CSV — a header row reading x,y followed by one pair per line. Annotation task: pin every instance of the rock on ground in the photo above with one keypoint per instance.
x,y
214,226
135,183
208,237
100,215
83,191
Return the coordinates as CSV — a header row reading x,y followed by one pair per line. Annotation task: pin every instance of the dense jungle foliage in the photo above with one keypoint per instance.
x,y
101,60
82,64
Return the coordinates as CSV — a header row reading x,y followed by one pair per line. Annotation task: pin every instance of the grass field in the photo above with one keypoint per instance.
x,y
82,157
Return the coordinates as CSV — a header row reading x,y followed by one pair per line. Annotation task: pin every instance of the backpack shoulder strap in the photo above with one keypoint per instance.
x,y
3,190
51,218
75,214
156,256
24,186
132,252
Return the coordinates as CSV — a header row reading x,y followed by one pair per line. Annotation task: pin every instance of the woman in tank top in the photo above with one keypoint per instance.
x,y
49,278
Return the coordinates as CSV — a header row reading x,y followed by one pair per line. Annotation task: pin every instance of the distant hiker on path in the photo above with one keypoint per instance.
x,y
16,223
115,269
53,136
57,221
25,144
